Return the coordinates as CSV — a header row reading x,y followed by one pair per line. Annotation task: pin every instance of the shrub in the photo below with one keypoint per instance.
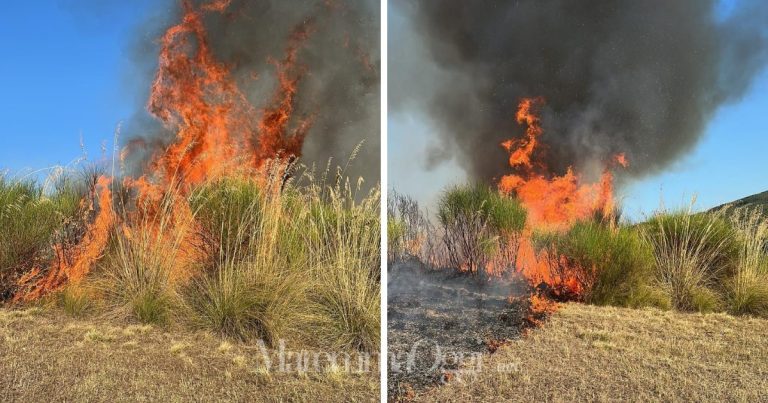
x,y
598,263
396,243
479,226
694,254
30,219
747,289
409,231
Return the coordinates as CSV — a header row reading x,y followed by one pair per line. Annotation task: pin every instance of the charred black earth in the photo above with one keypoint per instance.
x,y
441,322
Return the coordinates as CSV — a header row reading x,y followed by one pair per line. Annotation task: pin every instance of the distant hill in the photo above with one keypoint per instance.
x,y
756,201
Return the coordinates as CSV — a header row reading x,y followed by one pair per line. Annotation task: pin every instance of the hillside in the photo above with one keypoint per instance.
x,y
759,200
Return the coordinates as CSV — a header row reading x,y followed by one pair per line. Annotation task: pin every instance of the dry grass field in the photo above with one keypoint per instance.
x,y
589,353
47,356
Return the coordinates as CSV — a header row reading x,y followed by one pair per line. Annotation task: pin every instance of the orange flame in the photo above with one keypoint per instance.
x,y
553,202
218,133
71,267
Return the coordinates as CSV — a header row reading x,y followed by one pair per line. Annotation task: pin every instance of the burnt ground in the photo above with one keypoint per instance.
x,y
441,323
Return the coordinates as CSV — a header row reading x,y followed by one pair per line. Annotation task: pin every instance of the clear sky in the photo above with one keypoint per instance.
x,y
730,161
65,72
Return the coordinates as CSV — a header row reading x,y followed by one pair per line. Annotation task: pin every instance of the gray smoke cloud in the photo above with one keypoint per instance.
x,y
340,89
640,77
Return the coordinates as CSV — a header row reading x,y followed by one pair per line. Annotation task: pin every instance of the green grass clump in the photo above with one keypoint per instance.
x,y
303,262
31,219
695,254
135,278
609,263
227,212
479,225
75,301
649,296
345,256
246,301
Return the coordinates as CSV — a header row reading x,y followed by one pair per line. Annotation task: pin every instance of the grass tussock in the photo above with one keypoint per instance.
x,y
136,279
694,255
302,260
76,301
344,252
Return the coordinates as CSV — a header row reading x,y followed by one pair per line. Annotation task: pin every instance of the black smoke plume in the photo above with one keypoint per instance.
x,y
340,88
640,77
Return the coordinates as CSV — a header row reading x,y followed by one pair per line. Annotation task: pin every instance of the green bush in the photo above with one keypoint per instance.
x,y
31,220
502,214
608,263
479,226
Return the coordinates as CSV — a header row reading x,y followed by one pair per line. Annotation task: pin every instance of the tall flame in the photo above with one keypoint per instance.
x,y
218,133
553,202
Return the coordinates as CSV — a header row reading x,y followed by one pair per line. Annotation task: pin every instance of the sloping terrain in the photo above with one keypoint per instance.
x,y
45,356
440,321
755,201
589,353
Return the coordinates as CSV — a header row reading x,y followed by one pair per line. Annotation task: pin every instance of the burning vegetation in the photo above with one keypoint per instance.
x,y
600,103
547,238
223,229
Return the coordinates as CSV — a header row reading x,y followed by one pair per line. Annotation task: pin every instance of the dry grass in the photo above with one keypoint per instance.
x,y
46,356
588,353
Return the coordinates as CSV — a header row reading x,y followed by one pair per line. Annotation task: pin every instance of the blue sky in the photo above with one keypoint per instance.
x,y
65,72
729,162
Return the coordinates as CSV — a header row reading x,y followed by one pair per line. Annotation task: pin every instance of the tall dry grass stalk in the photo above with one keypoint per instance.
x,y
747,290
344,251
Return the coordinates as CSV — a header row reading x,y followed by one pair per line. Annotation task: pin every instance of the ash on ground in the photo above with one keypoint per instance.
x,y
441,322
